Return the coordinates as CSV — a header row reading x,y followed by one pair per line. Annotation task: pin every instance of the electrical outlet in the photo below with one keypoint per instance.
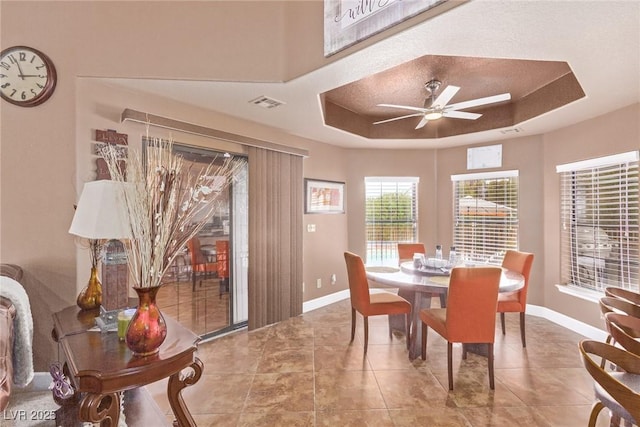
x,y
319,283
311,228
333,279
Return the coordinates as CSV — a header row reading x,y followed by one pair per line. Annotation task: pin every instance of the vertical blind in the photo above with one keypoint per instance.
x,y
485,210
599,219
391,216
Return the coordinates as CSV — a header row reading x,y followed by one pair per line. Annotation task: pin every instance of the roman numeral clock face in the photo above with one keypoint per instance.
x,y
27,76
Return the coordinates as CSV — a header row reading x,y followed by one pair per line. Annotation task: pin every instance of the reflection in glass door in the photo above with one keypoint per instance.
x,y
206,289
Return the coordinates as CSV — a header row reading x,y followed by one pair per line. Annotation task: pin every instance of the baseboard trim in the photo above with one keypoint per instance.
x,y
534,310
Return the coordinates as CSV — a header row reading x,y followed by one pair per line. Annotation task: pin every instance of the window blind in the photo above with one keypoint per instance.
x,y
391,216
485,210
599,219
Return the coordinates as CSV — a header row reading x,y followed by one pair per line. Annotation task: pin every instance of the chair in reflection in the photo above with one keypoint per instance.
x,y
619,390
470,314
199,263
371,304
516,302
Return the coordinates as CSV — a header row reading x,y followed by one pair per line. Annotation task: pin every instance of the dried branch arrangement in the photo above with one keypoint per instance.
x,y
166,203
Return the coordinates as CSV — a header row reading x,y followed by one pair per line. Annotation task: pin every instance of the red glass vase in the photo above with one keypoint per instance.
x,y
147,329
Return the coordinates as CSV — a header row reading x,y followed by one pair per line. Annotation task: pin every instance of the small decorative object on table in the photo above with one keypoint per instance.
x,y
166,203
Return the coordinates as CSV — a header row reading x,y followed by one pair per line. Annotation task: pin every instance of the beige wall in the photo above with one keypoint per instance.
x,y
44,150
611,133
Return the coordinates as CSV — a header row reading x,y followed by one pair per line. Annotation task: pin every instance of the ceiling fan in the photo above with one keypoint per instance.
x,y
436,108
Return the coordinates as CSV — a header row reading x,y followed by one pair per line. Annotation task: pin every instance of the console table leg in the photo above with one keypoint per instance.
x,y
102,408
177,382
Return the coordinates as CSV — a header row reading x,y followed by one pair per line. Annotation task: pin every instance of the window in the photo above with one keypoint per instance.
x,y
485,215
599,220
391,216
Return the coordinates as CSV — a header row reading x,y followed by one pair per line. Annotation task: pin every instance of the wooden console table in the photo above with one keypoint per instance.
x,y
101,366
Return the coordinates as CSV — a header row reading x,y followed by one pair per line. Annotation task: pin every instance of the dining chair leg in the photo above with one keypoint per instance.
x,y
193,281
492,385
595,410
353,324
450,364
424,341
522,337
366,333
502,322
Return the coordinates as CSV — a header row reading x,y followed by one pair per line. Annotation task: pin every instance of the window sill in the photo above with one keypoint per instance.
x,y
581,293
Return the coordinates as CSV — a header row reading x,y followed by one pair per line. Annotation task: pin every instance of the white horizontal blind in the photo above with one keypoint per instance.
x,y
599,214
391,216
485,209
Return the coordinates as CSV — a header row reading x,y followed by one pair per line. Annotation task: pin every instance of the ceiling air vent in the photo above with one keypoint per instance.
x,y
266,102
511,131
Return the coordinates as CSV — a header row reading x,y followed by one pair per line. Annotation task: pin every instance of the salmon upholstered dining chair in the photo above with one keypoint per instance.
x,y
470,315
406,251
619,390
199,263
371,304
516,302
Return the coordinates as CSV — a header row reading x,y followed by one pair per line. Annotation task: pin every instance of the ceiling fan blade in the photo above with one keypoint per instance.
x,y
423,122
445,96
404,107
461,115
398,118
479,101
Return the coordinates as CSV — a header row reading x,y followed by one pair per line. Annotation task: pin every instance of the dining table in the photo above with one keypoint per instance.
x,y
419,285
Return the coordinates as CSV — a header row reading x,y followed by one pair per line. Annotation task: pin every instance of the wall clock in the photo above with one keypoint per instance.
x,y
27,76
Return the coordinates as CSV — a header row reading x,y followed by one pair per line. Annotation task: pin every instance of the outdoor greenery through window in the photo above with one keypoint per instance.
x,y
599,234
485,210
391,216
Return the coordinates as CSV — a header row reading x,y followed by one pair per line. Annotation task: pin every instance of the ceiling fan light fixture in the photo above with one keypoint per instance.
x,y
434,115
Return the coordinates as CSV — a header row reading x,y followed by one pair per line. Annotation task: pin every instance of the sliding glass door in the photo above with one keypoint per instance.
x,y
206,289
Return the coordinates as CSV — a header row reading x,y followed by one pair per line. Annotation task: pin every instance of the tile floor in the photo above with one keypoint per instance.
x,y
304,372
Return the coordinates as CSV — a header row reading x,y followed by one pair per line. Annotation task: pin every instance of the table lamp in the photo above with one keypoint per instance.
x,y
99,216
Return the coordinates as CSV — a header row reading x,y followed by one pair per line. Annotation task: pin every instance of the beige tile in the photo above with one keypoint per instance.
x,y
305,372
431,415
218,393
345,390
370,418
270,419
281,392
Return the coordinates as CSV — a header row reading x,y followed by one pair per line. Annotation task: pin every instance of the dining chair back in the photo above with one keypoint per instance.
x,y
406,251
516,302
470,313
618,391
621,293
371,304
625,331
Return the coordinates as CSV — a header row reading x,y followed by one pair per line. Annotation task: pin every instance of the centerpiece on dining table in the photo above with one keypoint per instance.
x,y
166,201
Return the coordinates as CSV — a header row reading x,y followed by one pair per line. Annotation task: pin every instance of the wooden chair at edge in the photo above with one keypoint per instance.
x,y
371,304
618,391
516,302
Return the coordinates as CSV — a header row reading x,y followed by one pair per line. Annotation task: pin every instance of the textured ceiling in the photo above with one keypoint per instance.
x,y
536,87
600,42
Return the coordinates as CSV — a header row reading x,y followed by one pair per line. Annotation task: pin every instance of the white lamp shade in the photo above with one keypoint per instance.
x,y
101,212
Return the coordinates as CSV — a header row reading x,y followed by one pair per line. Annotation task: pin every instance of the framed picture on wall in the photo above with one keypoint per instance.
x,y
323,197
346,22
